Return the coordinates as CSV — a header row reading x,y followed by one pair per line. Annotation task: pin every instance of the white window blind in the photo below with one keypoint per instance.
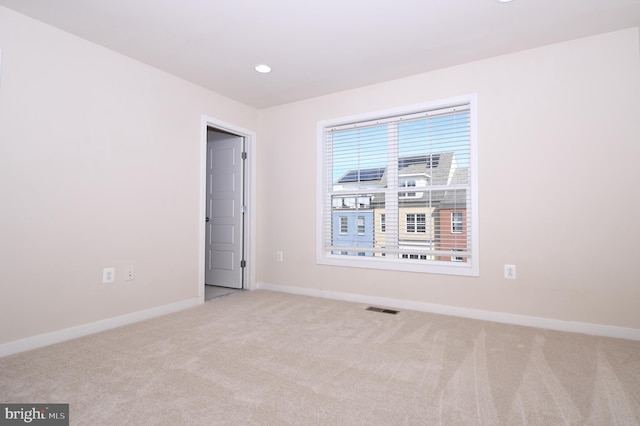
x,y
368,167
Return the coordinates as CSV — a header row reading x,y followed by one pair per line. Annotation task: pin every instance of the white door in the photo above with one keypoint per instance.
x,y
225,210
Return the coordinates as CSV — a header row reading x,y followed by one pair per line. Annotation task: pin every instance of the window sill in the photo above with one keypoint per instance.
x,y
404,265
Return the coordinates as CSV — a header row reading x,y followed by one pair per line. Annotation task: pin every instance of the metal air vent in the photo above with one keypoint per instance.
x,y
382,310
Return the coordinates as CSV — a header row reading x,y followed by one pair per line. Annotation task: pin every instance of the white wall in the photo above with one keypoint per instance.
x,y
559,142
99,166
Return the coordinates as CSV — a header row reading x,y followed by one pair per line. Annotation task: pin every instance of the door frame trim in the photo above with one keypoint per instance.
x,y
250,197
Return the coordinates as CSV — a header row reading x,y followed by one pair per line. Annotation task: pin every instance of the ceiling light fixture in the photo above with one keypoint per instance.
x,y
505,1
263,69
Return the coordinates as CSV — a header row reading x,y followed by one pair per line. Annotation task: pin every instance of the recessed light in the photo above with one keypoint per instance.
x,y
263,69
504,1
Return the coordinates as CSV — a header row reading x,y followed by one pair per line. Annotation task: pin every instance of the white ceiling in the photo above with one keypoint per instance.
x,y
316,47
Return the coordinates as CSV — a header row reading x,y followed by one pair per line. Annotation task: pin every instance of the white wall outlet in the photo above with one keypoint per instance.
x,y
129,274
510,272
280,256
108,275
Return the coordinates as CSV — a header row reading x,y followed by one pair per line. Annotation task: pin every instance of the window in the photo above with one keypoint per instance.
x,y
380,160
408,184
457,258
415,251
414,256
456,222
361,227
416,222
344,225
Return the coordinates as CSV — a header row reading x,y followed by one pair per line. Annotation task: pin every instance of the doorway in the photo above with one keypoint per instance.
x,y
226,229
225,207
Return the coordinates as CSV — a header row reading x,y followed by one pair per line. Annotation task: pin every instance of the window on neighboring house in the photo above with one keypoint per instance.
x,y
414,256
416,251
457,258
361,228
456,222
379,160
408,184
344,225
416,222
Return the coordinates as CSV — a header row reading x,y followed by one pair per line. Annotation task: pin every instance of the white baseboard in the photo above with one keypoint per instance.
x,y
46,339
501,317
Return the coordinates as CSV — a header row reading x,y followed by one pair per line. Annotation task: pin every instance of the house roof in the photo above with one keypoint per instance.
x,y
438,168
362,175
456,198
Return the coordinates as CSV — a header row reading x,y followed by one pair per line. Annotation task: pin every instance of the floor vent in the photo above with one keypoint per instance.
x,y
384,311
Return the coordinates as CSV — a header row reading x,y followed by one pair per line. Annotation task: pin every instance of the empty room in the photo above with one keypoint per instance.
x,y
303,212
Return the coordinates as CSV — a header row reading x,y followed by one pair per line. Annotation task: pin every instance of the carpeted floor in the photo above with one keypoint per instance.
x,y
268,358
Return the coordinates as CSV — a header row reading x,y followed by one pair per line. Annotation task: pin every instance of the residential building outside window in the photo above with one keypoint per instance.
x,y
368,163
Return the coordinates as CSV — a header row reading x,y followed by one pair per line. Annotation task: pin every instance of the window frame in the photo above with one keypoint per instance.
x,y
361,225
394,262
418,223
457,226
408,183
344,225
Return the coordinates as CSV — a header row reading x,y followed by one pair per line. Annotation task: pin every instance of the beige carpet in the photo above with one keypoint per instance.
x,y
277,359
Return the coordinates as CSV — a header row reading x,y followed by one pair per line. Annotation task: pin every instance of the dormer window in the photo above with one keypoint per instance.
x,y
408,184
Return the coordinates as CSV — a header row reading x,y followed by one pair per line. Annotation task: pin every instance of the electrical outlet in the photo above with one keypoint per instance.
x,y
108,275
129,274
510,272
280,256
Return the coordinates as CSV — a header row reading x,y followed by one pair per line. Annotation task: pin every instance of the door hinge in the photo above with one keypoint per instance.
x,y
243,263
244,155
